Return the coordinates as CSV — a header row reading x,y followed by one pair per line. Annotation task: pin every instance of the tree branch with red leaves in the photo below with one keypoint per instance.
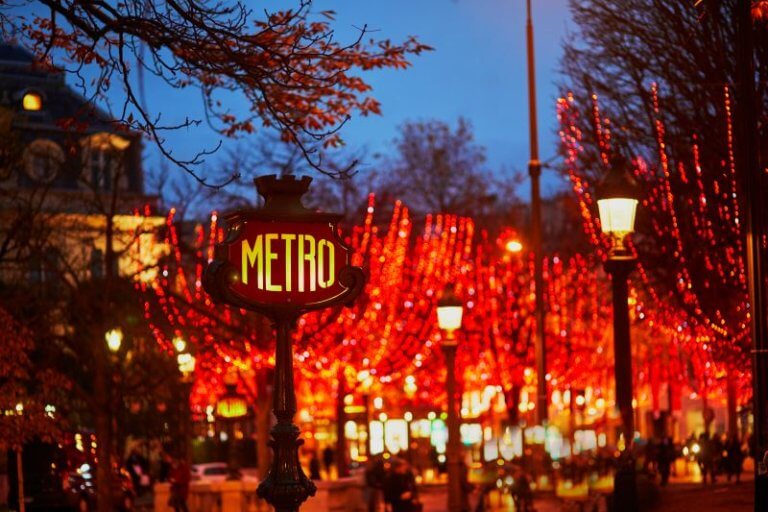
x,y
288,65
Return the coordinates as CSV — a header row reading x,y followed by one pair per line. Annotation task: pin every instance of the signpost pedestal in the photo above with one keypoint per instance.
x,y
283,260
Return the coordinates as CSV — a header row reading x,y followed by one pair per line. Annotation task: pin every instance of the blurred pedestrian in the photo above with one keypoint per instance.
x,y
328,456
706,458
400,488
665,457
179,478
314,466
734,458
375,477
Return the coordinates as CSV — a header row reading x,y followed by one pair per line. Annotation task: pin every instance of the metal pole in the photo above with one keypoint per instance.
x,y
232,456
753,185
454,431
534,171
342,469
286,486
367,407
625,487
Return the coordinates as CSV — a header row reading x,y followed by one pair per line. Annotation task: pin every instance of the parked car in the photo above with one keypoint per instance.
x,y
218,472
209,472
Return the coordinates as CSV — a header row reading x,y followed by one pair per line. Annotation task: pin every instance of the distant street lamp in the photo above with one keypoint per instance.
x,y
230,408
450,311
114,339
514,246
186,363
617,198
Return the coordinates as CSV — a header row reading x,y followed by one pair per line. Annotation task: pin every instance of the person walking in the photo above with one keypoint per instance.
x,y
665,457
734,458
179,478
314,467
400,488
375,477
328,456
706,458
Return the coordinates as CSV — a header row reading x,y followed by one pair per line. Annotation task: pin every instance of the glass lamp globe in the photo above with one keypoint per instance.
x,y
450,310
617,199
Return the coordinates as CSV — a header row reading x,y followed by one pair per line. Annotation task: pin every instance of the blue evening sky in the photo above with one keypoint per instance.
x,y
477,70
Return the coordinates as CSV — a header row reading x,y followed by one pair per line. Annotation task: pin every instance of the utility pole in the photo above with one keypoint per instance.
x,y
753,186
534,171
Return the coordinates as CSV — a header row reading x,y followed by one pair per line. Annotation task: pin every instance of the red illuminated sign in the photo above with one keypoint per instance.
x,y
282,256
285,263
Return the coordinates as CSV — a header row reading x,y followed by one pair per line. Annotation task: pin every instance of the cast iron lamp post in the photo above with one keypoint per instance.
x,y
114,339
617,198
449,314
231,407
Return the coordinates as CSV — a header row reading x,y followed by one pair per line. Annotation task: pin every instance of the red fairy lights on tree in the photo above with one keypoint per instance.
x,y
691,292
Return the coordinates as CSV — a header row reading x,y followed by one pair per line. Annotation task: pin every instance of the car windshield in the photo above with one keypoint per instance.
x,y
216,471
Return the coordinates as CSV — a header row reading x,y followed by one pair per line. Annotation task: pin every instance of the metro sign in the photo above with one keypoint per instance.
x,y
282,256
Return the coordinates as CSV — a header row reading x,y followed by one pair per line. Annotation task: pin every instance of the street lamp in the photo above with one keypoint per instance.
x,y
617,198
114,339
230,408
186,363
450,311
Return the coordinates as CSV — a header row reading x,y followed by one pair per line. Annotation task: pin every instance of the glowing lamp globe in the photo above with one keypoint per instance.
x,y
186,362
114,339
450,311
617,198
231,405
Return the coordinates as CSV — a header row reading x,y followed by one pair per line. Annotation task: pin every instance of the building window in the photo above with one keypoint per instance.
x,y
43,160
32,101
103,158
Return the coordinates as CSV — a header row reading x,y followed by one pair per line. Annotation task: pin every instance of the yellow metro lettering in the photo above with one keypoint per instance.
x,y
307,254
271,255
249,259
321,280
289,238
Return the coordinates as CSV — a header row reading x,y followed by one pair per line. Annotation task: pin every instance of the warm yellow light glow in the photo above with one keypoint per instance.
x,y
514,246
617,215
449,317
105,141
32,102
179,344
231,407
408,416
186,362
114,338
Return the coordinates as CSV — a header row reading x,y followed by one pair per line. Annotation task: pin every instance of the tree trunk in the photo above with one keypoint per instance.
x,y
20,479
733,428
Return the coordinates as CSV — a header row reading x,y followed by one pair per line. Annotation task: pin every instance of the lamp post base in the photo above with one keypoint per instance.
x,y
625,486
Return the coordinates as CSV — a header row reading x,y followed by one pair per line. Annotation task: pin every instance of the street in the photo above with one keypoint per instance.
x,y
677,497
